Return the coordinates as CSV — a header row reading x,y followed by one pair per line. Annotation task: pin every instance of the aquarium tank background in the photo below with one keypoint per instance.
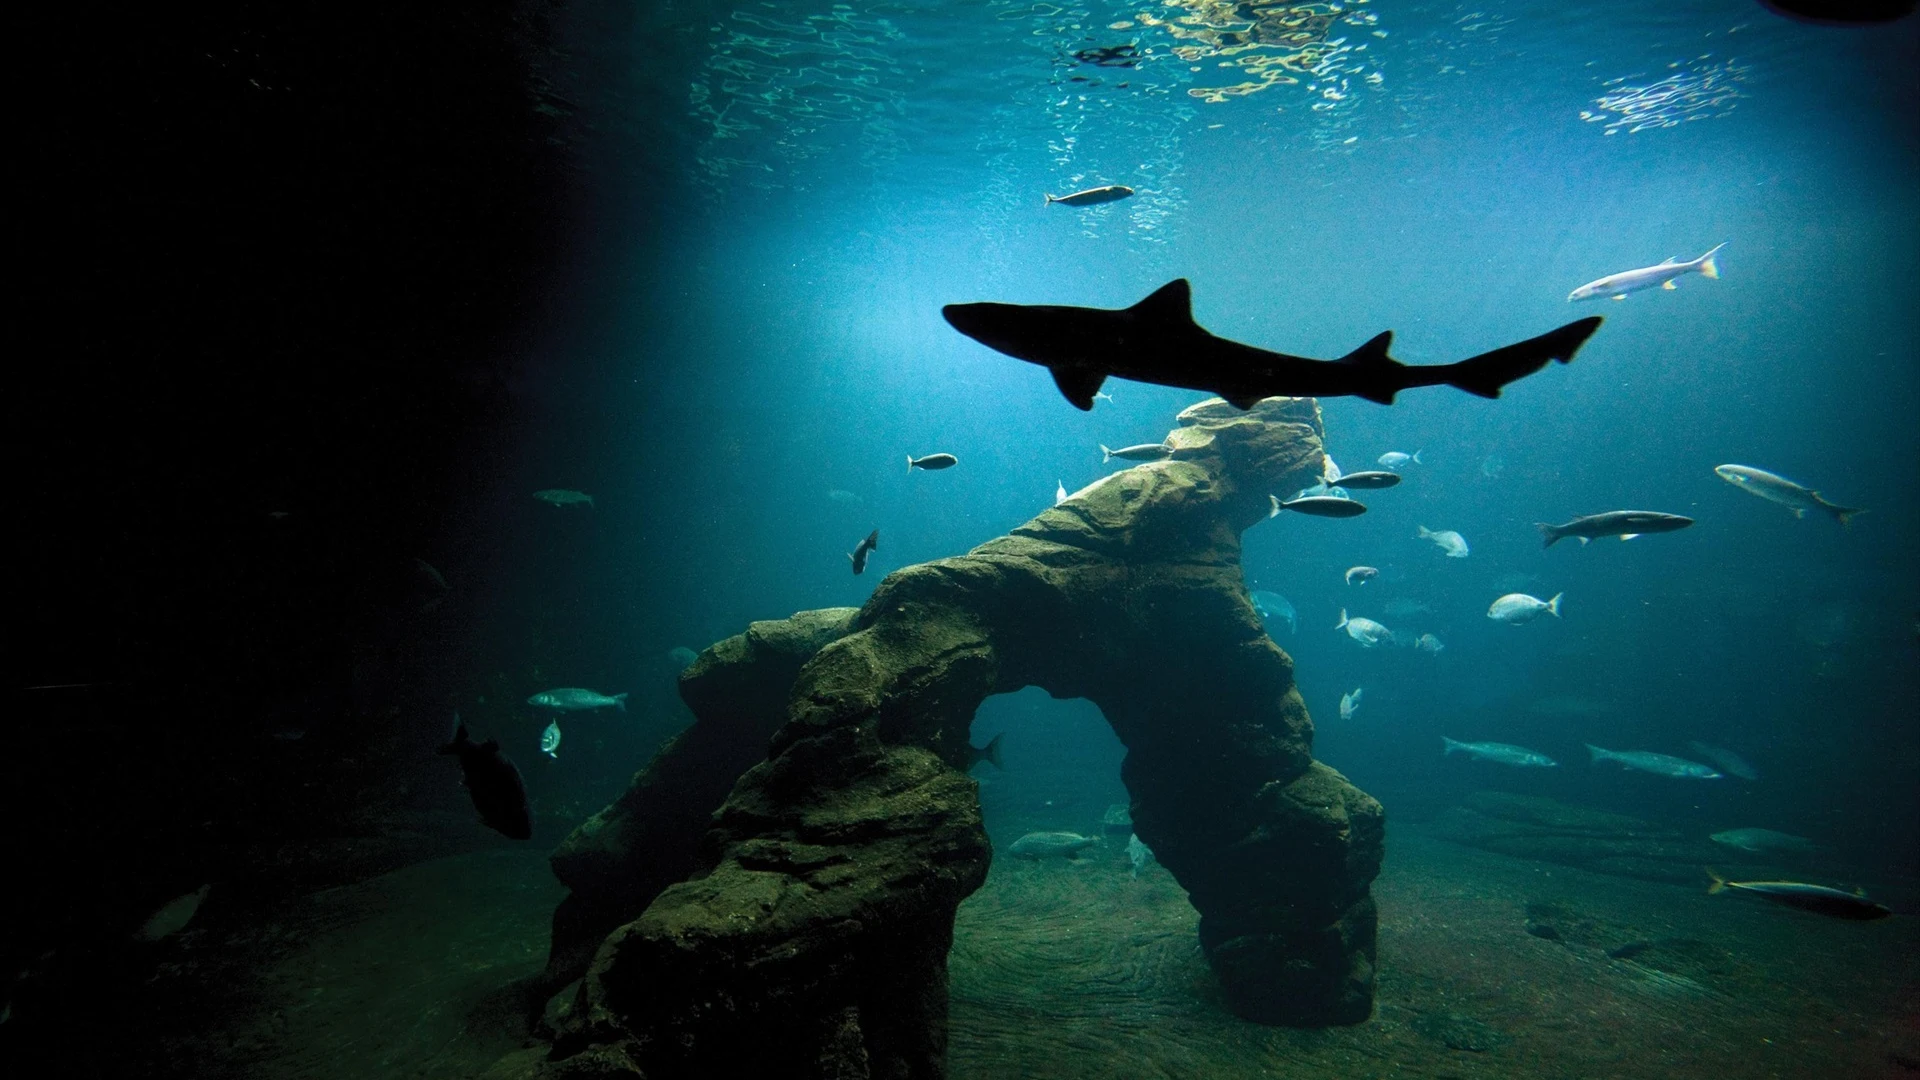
x,y
458,451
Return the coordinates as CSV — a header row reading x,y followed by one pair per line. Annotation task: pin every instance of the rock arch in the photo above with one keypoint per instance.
x,y
803,929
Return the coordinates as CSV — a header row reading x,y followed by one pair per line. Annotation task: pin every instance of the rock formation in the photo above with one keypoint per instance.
x,y
1532,827
803,929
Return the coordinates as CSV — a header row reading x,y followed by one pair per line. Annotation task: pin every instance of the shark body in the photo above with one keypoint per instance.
x,y
1157,341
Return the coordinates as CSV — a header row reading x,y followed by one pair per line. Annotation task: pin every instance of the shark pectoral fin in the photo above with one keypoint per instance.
x,y
1078,384
1172,302
1669,285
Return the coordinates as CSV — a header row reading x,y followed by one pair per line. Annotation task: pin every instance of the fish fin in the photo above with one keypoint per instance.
x,y
909,464
1275,500
1628,536
1719,882
1799,513
1106,455
1373,357
1343,619
1584,540
1594,752
1050,201
1709,268
1078,385
1447,745
1172,302
1548,534
620,702
1553,605
458,738
1844,514
1416,458
1486,373
590,505
1669,285
1618,296
991,752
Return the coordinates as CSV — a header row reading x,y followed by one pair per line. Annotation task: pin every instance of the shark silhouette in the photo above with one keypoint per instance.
x,y
1157,341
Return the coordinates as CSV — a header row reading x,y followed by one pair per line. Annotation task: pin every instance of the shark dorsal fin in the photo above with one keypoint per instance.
x,y
1172,302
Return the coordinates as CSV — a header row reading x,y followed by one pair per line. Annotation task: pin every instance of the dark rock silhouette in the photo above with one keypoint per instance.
x,y
803,929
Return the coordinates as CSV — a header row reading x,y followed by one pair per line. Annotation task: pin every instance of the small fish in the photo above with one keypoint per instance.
x,y
1371,480
1783,491
1658,764
1762,840
681,657
1139,854
1365,631
550,739
1502,753
1360,575
845,498
1625,524
563,497
1731,763
1818,899
1098,396
1349,702
1060,492
1271,605
1393,459
574,699
931,462
1040,845
1449,541
1492,466
989,753
864,548
1617,286
1428,643
173,916
1092,196
1318,506
1141,452
493,782
1517,608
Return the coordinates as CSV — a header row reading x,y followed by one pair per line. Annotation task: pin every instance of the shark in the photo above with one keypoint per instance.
x,y
1157,341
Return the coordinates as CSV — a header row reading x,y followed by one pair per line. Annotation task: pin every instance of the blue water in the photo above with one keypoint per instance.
x,y
808,183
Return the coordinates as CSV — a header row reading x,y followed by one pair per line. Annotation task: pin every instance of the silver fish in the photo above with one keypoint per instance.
x,y
1761,841
1731,763
1060,493
1625,524
1041,845
866,547
1503,753
173,916
1140,452
1365,631
1449,541
1658,764
574,699
1092,196
1393,459
1349,702
1818,899
1271,605
1783,491
931,462
550,739
1360,575
1517,608
1318,506
1617,286
1428,643
564,497
1369,480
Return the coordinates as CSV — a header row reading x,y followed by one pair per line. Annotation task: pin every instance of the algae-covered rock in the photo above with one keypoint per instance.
x,y
797,925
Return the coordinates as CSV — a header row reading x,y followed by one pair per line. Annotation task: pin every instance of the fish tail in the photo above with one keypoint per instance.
x,y
1719,882
620,700
909,464
992,750
1106,455
1553,605
1416,458
1448,746
1709,268
1343,619
1595,753
1844,514
1275,511
590,505
1548,533
1050,201
459,737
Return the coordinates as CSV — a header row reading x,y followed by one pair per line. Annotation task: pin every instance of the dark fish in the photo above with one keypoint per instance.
x,y
932,461
1630,950
1818,899
1374,479
863,549
494,783
988,753
1318,506
1110,55
1625,524
1157,341
1092,196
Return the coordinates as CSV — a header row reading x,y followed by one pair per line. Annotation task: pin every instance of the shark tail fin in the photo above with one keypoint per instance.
x,y
1487,373
1719,882
1548,533
1373,357
1709,268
